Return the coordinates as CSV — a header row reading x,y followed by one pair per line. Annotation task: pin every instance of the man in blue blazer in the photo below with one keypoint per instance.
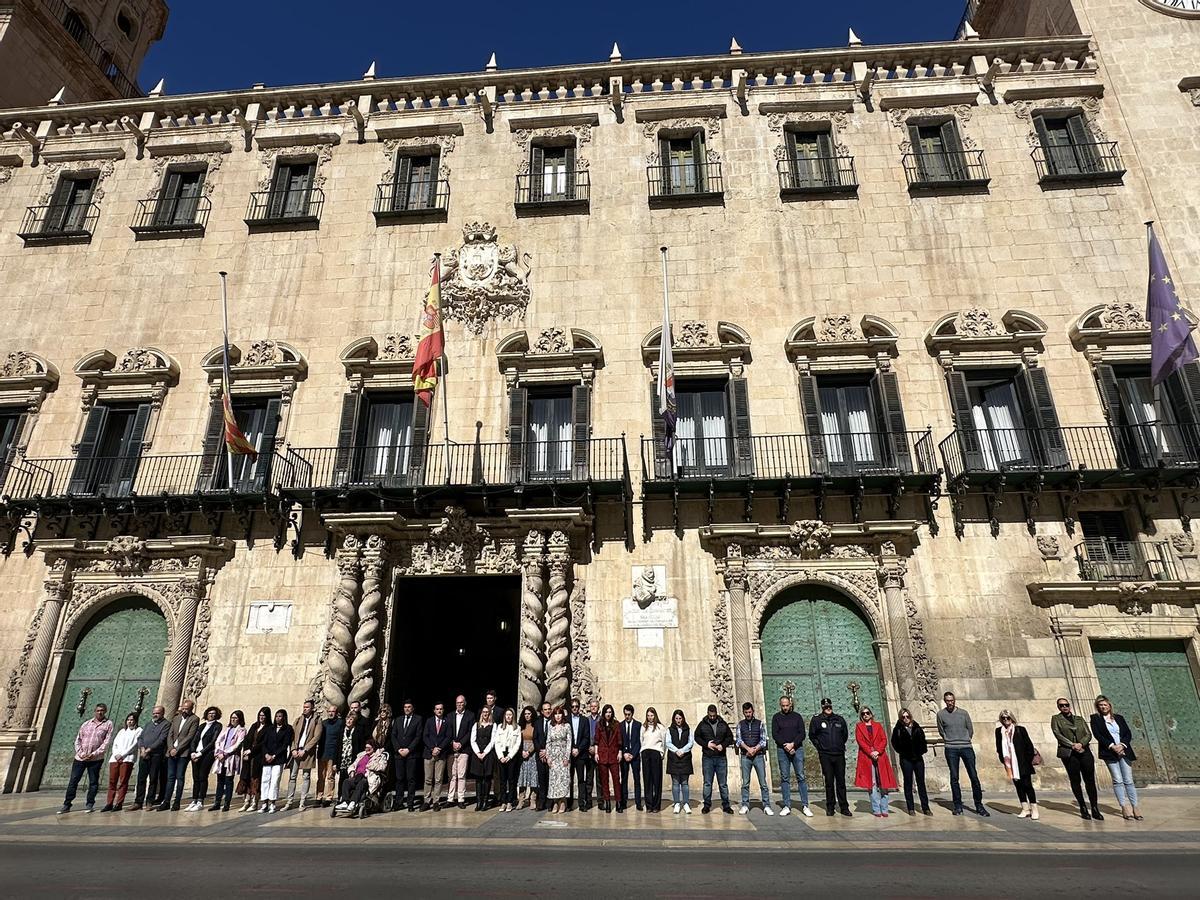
x,y
581,745
436,743
631,758
407,730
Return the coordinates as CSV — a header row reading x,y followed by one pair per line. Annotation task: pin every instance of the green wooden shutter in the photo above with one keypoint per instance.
x,y
212,475
667,164
276,201
738,394
956,159
518,437
190,189
300,192
1050,153
893,433
348,459
1033,392
794,164
537,174
418,450
1086,151
569,161
969,443
84,477
1122,434
831,175
924,165
168,198
658,435
1183,390
14,441
131,451
698,162
59,212
401,183
581,430
810,404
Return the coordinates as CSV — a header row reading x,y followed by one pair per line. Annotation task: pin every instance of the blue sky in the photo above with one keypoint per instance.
x,y
219,44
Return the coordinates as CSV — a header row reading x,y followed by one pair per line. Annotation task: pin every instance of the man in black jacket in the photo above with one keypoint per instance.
x,y
329,755
714,737
406,738
829,733
152,759
541,730
787,731
581,744
436,741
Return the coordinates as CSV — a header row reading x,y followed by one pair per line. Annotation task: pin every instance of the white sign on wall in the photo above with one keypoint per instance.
x,y
648,609
269,617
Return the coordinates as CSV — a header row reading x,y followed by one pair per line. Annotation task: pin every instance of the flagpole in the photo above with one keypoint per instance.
x,y
224,369
437,265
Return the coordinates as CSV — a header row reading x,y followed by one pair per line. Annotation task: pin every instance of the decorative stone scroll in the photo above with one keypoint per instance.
x,y
100,169
484,279
413,145
320,154
552,355
211,163
709,125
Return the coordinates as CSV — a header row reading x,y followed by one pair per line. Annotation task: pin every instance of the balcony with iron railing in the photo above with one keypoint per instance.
x,y
816,175
171,215
947,169
1102,559
684,183
420,198
1088,161
1092,454
553,189
59,223
295,208
77,28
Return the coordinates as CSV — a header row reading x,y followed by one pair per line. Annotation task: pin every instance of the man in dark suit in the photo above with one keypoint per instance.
x,y
541,731
406,738
461,721
436,741
631,758
581,744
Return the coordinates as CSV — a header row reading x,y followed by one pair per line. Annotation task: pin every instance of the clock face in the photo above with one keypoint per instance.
x,y
1187,9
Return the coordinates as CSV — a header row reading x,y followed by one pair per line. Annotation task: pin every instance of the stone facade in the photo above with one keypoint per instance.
x,y
976,590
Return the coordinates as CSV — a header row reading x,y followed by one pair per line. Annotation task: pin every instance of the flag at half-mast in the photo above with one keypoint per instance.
x,y
667,407
1171,344
235,440
432,342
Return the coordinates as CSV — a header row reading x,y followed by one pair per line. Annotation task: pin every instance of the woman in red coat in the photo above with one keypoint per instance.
x,y
874,771
608,756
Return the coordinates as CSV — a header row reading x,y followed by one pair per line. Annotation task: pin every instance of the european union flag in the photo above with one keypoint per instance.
x,y
1171,345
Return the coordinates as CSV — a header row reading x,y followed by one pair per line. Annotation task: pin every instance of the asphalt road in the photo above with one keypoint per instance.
x,y
309,870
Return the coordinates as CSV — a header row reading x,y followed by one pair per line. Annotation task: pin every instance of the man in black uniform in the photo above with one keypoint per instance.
x,y
828,733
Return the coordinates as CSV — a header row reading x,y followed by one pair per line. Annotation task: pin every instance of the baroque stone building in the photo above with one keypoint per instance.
x,y
917,450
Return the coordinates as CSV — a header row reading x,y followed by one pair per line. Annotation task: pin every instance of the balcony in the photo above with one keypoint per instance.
x,y
553,190
294,208
59,223
1097,161
558,472
175,216
816,176
685,184
946,170
1108,560
75,26
420,199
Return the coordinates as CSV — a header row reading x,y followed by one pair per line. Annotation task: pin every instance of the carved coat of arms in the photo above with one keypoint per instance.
x,y
484,279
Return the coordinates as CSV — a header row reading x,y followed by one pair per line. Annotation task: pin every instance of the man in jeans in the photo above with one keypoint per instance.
x,y
152,759
714,737
752,745
954,725
787,731
89,757
179,748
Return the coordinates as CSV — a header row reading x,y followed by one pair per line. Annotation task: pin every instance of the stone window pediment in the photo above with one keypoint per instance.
x,y
264,361
551,355
1115,332
701,349
842,342
25,379
382,363
971,336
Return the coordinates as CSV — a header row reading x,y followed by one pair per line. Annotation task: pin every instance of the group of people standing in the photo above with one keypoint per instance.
x,y
560,758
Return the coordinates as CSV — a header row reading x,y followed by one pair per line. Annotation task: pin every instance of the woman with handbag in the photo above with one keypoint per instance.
x,y
1020,760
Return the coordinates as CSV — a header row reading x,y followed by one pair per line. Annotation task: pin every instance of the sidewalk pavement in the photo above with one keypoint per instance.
x,y
1172,822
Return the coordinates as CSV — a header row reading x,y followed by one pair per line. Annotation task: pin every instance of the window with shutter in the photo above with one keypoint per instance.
x,y
549,435
291,190
742,455
12,423
1141,416
1108,549
179,198
258,419
212,453
385,432
1183,390
998,421
703,442
418,443
347,460
810,403
956,159
416,182
682,159
69,205
581,432
848,423
661,459
969,440
518,409
1041,417
894,439
87,465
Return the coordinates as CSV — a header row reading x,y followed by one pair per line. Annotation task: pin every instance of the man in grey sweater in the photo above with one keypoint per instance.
x,y
954,725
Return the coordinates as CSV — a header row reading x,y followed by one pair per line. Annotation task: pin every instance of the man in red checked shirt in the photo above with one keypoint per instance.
x,y
89,757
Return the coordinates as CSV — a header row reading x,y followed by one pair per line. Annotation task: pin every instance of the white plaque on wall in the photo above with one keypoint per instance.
x,y
663,613
269,617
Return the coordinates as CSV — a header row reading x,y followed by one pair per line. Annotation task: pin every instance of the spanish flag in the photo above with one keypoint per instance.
x,y
235,441
432,343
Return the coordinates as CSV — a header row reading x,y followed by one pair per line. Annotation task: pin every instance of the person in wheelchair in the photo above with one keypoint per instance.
x,y
364,783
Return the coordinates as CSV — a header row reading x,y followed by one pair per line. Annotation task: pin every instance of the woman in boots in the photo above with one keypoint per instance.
x,y
252,760
483,757
1018,757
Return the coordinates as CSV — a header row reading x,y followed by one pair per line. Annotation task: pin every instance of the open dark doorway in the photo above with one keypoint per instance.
x,y
454,635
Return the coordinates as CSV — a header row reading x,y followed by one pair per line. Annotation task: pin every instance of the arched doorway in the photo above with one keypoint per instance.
x,y
118,655
816,644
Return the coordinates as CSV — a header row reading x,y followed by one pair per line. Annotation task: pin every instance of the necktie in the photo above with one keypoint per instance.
x,y
439,726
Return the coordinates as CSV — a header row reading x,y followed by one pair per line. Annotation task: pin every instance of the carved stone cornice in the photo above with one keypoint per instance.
x,y
551,355
1130,597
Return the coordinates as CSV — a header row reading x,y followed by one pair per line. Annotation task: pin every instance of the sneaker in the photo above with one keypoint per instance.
x,y
786,811
264,808
688,809
89,808
983,811
676,809
768,810
744,810
728,810
807,812
66,808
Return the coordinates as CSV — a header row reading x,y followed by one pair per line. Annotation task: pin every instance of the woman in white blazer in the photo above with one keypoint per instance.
x,y
508,754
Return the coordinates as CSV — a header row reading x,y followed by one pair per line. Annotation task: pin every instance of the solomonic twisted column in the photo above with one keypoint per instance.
x,y
533,614
181,649
370,612
340,649
558,622
26,683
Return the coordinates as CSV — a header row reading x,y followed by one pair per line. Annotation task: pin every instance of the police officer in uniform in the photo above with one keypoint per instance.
x,y
828,733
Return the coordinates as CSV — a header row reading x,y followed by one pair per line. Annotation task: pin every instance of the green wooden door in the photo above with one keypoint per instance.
x,y
120,654
815,645
1151,684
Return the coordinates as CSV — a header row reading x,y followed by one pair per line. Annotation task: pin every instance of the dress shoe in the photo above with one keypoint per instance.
x,y
620,807
983,811
162,807
728,810
216,807
705,809
175,807
136,807
829,812
1084,814
462,804
639,807
958,810
225,806
926,811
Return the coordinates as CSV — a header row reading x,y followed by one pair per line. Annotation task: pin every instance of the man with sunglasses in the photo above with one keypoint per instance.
x,y
955,727
1073,735
829,733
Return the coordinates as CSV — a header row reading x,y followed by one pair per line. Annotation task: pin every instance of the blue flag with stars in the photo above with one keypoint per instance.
x,y
1171,345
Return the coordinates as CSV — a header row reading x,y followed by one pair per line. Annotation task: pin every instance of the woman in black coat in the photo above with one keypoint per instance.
x,y
252,760
1018,756
1115,743
277,747
908,740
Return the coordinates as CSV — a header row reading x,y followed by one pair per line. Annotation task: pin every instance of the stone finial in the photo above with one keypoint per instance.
x,y
615,56
57,99
735,49
855,40
491,64
158,89
969,33
369,75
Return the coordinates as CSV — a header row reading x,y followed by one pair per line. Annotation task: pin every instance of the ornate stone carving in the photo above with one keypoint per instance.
x,y
558,622
533,615
838,329
98,169
262,353
17,678
583,679
396,147
457,545
397,346
339,650
900,118
124,554
837,120
812,536
1184,545
370,607
720,670
1048,546
1136,598
197,672
975,321
18,363
581,133
926,668
484,279
137,359
693,335
323,154
893,573
1089,106
551,340
1123,316
211,161
710,124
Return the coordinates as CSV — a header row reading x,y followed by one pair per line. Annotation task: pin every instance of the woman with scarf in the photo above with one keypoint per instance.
x,y
1018,757
679,759
874,772
252,760
365,778
229,759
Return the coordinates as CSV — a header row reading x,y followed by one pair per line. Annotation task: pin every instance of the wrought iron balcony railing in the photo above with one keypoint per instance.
x,y
413,199
456,465
285,207
172,215
554,187
685,181
75,26
1100,449
117,477
1102,559
946,169
788,457
817,175
59,222
1088,161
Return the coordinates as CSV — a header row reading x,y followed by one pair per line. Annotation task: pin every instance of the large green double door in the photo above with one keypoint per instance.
x,y
815,645
119,656
1152,685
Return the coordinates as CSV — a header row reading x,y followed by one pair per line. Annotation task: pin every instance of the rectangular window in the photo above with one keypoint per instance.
x,y
70,204
939,152
110,449
554,169
1109,552
179,198
812,157
996,415
291,190
703,437
551,447
258,418
10,429
1068,146
385,440
416,182
848,420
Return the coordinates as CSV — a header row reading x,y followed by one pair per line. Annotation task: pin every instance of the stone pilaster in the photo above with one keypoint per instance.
x,y
533,615
739,631
27,679
335,668
558,621
365,667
